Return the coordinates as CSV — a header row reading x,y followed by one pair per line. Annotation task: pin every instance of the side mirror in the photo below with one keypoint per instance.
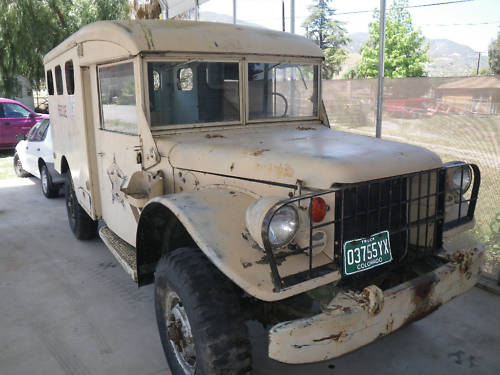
x,y
32,115
21,137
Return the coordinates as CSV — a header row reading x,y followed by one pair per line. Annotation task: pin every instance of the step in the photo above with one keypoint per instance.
x,y
124,253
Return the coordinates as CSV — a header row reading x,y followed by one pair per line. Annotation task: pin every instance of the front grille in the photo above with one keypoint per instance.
x,y
410,207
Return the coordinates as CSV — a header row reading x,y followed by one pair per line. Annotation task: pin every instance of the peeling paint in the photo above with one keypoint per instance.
x,y
260,151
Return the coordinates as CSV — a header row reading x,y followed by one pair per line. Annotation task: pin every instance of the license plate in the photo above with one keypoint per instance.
x,y
366,253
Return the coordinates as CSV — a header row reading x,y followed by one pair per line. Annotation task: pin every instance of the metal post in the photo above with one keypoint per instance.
x,y
283,15
197,11
381,49
234,12
478,61
292,16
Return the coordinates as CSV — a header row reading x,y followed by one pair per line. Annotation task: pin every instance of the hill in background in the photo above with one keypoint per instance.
x,y
449,58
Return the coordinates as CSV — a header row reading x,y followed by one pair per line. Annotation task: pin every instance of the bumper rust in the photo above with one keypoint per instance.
x,y
352,320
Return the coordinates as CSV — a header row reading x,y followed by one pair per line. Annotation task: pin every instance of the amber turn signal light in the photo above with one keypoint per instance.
x,y
319,209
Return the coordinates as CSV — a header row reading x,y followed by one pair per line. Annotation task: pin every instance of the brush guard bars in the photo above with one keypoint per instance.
x,y
414,208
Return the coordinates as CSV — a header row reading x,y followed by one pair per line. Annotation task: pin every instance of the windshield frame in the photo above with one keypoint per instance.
x,y
277,62
189,59
242,61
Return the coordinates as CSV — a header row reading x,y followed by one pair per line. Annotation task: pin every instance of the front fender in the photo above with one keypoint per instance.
x,y
215,220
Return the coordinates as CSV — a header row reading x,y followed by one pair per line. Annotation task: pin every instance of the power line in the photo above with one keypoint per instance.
x,y
410,6
460,24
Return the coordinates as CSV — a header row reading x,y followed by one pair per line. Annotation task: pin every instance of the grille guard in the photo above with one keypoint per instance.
x,y
428,199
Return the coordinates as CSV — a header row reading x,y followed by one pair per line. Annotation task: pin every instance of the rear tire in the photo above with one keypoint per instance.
x,y
201,326
48,188
81,224
18,167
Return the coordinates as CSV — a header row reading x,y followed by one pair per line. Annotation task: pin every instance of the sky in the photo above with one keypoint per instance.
x,y
459,22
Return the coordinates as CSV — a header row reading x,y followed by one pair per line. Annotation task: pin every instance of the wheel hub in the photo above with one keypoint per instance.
x,y
179,333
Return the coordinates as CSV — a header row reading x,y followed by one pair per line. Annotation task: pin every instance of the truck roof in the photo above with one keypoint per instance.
x,y
190,36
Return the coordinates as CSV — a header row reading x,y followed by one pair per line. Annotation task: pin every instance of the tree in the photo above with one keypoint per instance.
x,y
494,55
405,48
330,35
29,29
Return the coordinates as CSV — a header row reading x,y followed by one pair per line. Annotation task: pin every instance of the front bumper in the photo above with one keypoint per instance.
x,y
352,320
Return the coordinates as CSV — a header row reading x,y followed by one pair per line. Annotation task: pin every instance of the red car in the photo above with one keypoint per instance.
x,y
15,119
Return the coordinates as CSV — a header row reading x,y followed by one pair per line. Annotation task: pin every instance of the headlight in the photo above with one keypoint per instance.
x,y
460,178
280,228
283,226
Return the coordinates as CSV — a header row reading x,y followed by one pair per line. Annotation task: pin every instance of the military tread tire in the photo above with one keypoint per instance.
x,y
81,224
212,306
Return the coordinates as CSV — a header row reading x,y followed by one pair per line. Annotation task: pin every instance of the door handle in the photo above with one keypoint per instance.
x,y
38,149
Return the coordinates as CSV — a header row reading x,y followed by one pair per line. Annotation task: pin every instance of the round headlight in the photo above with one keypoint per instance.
x,y
283,226
461,178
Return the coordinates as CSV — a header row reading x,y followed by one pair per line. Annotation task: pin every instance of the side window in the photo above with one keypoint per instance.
x,y
50,82
70,77
117,94
33,131
185,79
59,82
1,111
12,110
42,130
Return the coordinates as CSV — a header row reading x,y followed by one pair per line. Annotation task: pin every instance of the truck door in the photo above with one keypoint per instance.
x,y
117,145
15,120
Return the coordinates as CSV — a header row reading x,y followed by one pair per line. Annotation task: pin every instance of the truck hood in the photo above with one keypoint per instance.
x,y
317,155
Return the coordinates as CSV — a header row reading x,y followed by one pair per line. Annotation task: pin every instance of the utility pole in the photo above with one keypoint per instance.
x,y
478,61
381,49
292,16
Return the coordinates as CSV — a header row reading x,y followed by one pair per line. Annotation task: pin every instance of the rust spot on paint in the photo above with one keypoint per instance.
x,y
246,264
335,337
420,313
305,128
260,151
210,136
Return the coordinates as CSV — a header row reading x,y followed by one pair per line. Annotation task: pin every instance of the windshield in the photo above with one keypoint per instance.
x,y
282,90
193,92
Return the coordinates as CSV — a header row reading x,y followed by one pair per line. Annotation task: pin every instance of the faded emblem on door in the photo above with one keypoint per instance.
x,y
118,180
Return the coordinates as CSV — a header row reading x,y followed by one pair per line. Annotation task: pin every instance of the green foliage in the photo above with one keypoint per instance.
x,y
494,55
330,35
29,29
405,48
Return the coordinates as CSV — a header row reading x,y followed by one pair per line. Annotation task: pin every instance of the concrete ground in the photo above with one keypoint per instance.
x,y
66,307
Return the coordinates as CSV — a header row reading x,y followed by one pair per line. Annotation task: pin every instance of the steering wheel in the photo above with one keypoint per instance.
x,y
284,99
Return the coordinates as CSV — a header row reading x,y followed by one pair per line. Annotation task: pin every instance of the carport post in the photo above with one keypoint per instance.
x,y
381,49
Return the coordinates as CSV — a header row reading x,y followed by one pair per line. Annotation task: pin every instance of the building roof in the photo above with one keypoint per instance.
x,y
481,82
190,36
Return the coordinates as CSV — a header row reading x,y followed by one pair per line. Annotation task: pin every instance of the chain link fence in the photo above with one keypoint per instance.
x,y
458,118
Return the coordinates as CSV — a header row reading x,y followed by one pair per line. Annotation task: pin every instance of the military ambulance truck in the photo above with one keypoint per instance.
x,y
204,152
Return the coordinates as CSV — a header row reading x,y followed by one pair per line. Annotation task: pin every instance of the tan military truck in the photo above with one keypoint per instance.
x,y
205,152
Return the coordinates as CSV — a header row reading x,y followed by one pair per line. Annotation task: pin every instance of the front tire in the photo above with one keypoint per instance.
x,y
81,224
18,167
48,188
201,327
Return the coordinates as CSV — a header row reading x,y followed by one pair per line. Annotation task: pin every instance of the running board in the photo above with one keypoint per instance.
x,y
124,253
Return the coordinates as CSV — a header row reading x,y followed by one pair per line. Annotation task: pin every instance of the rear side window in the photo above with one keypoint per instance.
x,y
117,98
40,132
59,82
70,77
50,82
13,110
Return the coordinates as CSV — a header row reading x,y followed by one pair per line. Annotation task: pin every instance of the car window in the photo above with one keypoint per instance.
x,y
33,131
117,94
42,130
39,131
1,110
13,110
